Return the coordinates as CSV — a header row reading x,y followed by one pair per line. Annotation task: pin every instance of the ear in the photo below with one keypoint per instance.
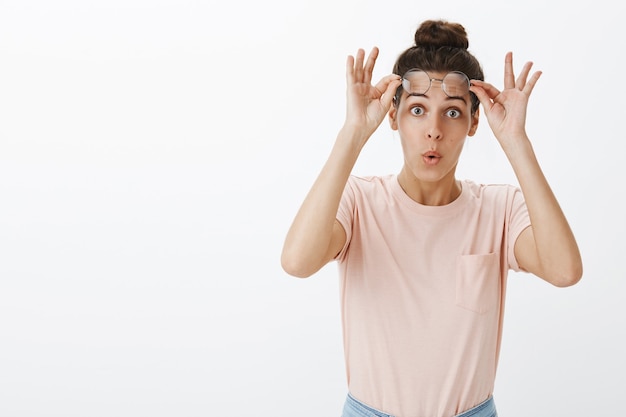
x,y
393,112
474,122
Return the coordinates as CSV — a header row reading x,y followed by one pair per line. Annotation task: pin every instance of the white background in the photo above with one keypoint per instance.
x,y
153,154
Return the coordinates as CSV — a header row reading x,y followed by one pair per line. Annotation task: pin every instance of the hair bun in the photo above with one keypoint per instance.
x,y
439,33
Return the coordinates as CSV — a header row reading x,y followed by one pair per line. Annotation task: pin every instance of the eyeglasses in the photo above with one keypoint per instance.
x,y
417,82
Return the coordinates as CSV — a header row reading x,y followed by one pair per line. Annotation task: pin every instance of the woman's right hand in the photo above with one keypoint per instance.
x,y
316,236
367,105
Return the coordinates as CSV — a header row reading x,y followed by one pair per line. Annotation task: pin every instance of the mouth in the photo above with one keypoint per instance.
x,y
431,157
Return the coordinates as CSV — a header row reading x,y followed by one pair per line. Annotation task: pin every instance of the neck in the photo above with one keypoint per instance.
x,y
430,193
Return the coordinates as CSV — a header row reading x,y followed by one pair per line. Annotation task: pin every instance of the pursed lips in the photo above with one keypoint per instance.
x,y
431,157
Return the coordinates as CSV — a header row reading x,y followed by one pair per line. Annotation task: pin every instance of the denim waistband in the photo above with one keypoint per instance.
x,y
485,409
355,408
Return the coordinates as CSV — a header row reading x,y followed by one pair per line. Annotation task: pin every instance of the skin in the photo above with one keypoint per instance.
x,y
433,129
434,123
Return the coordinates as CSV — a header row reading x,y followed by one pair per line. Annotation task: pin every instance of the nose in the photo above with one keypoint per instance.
x,y
434,134
434,130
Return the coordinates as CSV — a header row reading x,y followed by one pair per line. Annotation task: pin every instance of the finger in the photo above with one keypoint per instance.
x,y
530,85
509,76
483,97
358,65
369,65
521,79
490,91
388,86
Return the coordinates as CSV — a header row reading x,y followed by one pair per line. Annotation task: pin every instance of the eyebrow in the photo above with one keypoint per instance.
x,y
447,97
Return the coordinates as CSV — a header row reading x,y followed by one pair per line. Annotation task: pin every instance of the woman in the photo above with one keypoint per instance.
x,y
423,256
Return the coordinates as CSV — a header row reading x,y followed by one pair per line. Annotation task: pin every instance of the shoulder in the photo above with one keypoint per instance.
x,y
370,184
491,192
501,202
369,191
369,181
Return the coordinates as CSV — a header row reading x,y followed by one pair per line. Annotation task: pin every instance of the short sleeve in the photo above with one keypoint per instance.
x,y
345,215
518,221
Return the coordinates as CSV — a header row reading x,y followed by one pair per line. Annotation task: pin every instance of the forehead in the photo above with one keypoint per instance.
x,y
419,75
437,75
419,82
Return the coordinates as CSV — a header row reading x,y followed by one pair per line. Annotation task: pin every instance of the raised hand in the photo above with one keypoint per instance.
x,y
506,110
367,105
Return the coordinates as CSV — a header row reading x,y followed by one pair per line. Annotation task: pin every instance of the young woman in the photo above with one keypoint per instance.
x,y
423,256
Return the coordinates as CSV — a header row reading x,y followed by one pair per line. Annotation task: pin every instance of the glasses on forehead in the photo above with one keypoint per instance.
x,y
417,82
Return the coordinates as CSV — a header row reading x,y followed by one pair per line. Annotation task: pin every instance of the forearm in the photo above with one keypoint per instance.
x,y
557,254
307,242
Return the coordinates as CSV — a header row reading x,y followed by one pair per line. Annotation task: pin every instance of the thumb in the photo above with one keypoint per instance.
x,y
484,98
388,85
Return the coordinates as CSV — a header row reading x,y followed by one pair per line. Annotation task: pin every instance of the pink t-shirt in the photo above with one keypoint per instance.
x,y
422,294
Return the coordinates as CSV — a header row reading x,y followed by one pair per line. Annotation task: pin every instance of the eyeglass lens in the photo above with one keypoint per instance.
x,y
418,82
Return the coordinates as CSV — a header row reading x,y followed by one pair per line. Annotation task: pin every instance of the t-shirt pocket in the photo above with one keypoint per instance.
x,y
477,279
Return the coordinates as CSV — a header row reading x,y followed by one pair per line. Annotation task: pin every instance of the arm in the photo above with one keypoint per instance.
x,y
547,248
315,236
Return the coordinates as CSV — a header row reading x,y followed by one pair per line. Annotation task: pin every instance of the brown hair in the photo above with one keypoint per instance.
x,y
440,46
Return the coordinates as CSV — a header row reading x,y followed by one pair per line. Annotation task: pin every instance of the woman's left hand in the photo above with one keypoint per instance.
x,y
506,110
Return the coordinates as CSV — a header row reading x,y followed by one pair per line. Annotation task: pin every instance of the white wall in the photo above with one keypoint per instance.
x,y
153,154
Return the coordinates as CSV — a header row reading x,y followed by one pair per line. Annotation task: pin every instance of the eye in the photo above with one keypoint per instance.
x,y
453,113
417,110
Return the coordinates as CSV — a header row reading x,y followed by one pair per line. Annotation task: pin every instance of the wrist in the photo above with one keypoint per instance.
x,y
514,144
519,151
353,134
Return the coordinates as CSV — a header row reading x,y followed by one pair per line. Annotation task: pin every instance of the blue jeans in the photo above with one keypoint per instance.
x,y
355,408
